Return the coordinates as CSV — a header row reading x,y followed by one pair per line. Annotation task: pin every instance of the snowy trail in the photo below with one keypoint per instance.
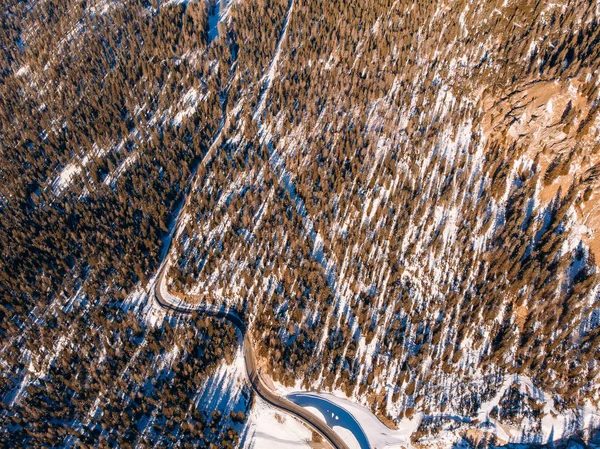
x,y
272,67
173,303
278,164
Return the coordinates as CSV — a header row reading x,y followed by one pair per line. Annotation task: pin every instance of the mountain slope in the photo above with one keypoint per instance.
x,y
401,197
410,206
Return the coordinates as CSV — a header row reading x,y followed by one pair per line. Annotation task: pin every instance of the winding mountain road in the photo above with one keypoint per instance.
x,y
174,305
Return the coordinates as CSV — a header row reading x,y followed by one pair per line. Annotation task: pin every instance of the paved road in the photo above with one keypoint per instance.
x,y
256,381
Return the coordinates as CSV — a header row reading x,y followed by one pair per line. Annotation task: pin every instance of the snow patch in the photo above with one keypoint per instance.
x,y
268,429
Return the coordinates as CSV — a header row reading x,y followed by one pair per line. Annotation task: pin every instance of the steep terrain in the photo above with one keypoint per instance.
x,y
401,197
407,210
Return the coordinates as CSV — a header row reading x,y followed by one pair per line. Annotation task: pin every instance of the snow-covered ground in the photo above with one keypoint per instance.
x,y
224,390
219,13
268,428
554,425
361,429
355,424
